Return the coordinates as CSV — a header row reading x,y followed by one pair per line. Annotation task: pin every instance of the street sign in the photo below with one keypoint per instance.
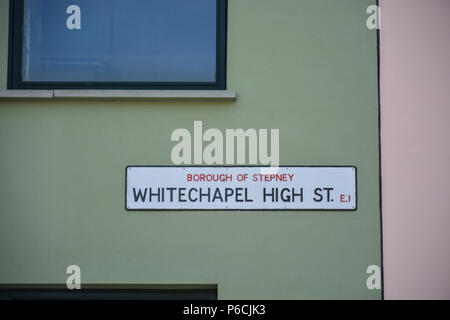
x,y
240,188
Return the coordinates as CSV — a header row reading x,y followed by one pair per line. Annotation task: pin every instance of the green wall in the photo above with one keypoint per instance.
x,y
307,67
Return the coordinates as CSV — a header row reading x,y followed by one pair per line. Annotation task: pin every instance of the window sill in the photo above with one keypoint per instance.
x,y
25,94
161,95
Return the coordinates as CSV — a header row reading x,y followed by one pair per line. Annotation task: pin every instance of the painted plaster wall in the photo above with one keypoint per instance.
x,y
415,132
306,67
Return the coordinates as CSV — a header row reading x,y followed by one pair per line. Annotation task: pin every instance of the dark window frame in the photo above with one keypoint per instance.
x,y
107,294
15,55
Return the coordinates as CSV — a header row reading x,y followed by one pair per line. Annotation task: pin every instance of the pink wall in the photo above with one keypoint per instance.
x,y
415,146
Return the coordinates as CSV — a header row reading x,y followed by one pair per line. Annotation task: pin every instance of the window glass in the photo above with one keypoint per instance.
x,y
119,41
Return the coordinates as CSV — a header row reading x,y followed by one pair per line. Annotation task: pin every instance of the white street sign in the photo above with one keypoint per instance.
x,y
240,188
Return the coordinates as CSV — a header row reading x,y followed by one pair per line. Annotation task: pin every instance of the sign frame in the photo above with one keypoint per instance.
x,y
241,166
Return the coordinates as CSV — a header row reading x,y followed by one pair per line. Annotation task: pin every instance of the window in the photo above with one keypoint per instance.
x,y
118,44
108,294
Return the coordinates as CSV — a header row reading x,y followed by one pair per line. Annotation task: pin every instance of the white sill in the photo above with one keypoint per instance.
x,y
212,95
25,94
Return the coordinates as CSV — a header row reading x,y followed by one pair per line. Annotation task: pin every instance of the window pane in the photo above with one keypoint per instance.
x,y
119,41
